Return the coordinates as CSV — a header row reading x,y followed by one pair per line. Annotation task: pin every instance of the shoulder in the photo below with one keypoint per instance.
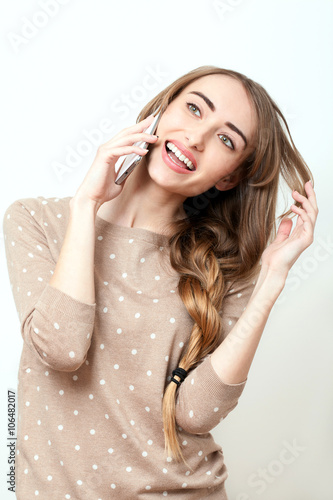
x,y
38,210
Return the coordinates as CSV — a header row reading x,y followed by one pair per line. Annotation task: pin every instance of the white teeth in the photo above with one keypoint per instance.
x,y
180,155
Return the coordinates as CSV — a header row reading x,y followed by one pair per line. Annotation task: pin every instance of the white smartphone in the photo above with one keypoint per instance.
x,y
125,167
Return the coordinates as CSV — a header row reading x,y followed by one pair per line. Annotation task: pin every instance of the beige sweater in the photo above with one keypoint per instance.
x,y
92,376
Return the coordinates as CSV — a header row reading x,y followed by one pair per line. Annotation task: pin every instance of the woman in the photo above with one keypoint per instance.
x,y
142,304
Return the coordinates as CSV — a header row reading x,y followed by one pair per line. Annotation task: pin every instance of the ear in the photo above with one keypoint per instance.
x,y
229,181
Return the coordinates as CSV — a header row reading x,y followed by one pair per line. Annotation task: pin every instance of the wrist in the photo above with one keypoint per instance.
x,y
271,281
82,202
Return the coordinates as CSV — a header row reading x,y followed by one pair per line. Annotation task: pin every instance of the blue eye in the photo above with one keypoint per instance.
x,y
227,139
193,107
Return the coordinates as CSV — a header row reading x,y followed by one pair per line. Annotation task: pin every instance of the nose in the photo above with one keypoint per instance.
x,y
195,138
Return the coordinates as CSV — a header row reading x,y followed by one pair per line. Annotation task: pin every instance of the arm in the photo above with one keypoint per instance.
x,y
222,376
57,314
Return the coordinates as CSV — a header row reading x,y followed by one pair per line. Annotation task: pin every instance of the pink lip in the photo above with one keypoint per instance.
x,y
186,153
171,164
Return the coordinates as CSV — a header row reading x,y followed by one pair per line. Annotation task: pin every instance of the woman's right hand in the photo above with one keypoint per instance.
x,y
99,183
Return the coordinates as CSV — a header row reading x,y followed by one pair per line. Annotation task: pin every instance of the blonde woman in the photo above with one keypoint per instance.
x,y
142,304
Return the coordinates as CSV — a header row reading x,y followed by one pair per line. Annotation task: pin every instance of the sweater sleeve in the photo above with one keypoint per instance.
x,y
56,327
203,399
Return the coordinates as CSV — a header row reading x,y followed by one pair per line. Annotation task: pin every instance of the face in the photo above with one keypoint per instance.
x,y
212,124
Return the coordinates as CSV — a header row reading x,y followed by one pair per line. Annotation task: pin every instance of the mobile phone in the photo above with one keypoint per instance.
x,y
131,160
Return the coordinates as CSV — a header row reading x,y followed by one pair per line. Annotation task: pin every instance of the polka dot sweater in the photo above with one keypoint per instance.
x,y
92,376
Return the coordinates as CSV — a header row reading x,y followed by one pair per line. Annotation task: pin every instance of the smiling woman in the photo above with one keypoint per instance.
x,y
157,305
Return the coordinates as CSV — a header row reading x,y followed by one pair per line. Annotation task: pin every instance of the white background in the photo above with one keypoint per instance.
x,y
90,62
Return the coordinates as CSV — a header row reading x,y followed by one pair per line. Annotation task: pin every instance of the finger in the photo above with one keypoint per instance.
x,y
311,194
125,150
307,222
306,204
284,230
138,127
132,139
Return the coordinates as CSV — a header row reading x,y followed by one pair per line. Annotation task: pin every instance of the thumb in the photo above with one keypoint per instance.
x,y
284,230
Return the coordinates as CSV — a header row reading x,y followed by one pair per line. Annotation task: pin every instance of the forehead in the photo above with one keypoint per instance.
x,y
231,100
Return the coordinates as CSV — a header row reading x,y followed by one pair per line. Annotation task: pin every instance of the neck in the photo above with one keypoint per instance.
x,y
144,203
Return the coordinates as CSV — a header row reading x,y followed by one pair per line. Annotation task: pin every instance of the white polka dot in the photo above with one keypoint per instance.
x,y
102,382
27,403
112,256
44,354
61,392
148,487
56,326
118,402
36,493
30,254
105,309
36,457
181,344
49,478
119,330
102,346
75,377
75,412
187,473
106,416
121,298
157,278
60,427
77,447
132,422
134,352
25,471
166,358
144,453
155,301
38,387
124,436
216,409
192,381
124,275
239,295
230,322
131,387
147,408
191,413
46,373
72,354
116,367
185,443
143,259
113,486
150,442
208,473
169,459
165,470
149,373
153,336
131,240
184,485
67,497
95,467
105,282
200,453
100,238
128,469
165,493
137,315
110,450
91,396
92,431
172,320
79,482
139,291
36,330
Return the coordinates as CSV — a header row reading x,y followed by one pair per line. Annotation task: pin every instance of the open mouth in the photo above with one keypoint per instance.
x,y
178,157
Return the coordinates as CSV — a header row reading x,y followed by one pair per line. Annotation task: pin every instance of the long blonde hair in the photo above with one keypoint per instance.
x,y
225,232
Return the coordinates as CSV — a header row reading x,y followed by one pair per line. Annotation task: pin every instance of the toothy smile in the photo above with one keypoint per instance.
x,y
186,161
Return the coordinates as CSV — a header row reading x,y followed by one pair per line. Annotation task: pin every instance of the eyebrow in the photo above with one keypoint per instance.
x,y
212,107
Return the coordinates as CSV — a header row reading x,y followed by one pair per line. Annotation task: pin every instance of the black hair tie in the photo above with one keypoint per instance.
x,y
181,373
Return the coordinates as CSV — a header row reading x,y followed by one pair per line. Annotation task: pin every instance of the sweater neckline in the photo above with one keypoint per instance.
x,y
131,232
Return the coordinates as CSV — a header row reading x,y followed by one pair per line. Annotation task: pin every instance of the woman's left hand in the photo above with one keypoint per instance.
x,y
282,253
